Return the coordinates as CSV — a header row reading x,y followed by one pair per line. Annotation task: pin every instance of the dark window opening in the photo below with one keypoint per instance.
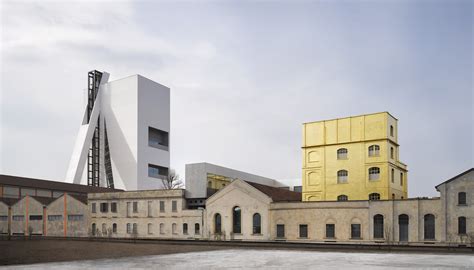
x,y
113,207
462,225
462,198
330,230
303,231
36,217
104,207
158,138
355,231
280,230
429,227
378,226
157,171
217,223
236,220
256,224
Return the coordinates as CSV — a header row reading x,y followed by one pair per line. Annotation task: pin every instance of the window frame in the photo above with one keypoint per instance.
x,y
237,220
374,150
462,198
330,232
303,231
256,224
342,176
353,234
462,225
374,173
342,198
342,154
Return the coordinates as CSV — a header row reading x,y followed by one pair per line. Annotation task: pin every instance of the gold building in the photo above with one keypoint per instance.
x,y
353,158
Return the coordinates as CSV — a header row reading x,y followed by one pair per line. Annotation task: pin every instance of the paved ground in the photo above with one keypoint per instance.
x,y
272,259
36,251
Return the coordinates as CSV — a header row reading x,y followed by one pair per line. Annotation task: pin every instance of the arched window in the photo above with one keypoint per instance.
x,y
342,153
462,198
391,130
217,223
429,227
391,153
403,228
174,228
374,173
150,228
461,225
392,175
236,220
374,150
401,179
256,224
342,176
197,229
114,228
94,228
185,228
374,196
341,198
378,226
162,228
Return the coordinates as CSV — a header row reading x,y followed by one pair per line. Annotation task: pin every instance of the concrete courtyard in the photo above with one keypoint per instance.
x,y
271,259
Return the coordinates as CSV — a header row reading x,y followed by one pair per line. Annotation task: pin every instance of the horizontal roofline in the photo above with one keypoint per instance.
x,y
352,116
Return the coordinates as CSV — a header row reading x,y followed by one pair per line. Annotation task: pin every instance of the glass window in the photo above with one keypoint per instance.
x,y
374,173
392,176
94,229
342,198
75,217
11,192
374,196
196,228
18,218
280,230
303,231
217,223
57,194
378,226
330,230
462,198
429,227
135,228
135,207
3,218
342,153
298,189
342,176
355,231
114,228
158,138
236,220
94,210
162,206
257,224
185,228
157,171
129,228
36,217
55,217
374,150
461,225
104,207
174,206
43,193
113,207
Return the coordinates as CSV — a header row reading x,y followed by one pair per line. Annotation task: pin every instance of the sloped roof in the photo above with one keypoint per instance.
x,y
277,194
52,185
455,177
9,201
43,200
82,199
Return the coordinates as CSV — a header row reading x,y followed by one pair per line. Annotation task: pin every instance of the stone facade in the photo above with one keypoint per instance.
x,y
144,214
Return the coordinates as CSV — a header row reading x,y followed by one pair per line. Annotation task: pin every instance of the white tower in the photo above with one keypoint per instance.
x,y
123,141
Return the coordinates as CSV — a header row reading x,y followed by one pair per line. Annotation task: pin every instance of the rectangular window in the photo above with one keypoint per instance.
x,y
129,208
55,218
27,191
11,192
280,230
162,206
129,228
330,230
18,218
94,210
185,228
135,228
303,231
150,209
157,171
113,207
150,228
36,217
401,179
135,207
298,188
174,206
43,193
158,138
104,207
75,217
3,218
355,231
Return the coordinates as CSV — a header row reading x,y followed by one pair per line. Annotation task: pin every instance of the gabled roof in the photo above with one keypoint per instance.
x,y
455,177
9,201
43,200
277,194
82,199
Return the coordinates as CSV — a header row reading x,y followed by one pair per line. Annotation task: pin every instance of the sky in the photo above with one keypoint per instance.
x,y
244,76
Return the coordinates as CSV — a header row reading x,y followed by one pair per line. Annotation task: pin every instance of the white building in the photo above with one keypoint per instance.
x,y
123,141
